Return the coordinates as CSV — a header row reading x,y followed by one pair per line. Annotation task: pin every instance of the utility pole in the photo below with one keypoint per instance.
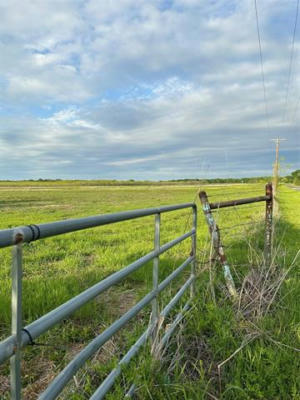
x,y
276,171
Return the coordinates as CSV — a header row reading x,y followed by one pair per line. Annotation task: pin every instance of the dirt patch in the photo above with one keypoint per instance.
x,y
117,301
73,351
87,260
4,385
42,371
107,351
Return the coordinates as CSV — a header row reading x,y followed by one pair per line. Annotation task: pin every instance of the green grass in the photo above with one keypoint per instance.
x,y
58,268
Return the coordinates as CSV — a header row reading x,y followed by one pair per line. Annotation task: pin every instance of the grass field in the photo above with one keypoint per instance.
x,y
267,363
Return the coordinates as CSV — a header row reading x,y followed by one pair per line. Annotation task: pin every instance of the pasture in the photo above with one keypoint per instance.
x,y
56,269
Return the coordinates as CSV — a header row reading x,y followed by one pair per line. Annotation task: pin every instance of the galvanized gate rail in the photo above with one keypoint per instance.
x,y
10,348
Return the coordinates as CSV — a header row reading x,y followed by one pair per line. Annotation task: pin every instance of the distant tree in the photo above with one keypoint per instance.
x,y
296,177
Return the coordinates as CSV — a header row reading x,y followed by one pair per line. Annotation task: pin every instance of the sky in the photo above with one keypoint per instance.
x,y
147,89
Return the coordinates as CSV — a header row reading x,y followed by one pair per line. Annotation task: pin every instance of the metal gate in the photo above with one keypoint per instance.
x,y
10,348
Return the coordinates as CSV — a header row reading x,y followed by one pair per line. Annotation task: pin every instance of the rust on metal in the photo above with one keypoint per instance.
x,y
215,231
231,203
18,237
268,224
217,243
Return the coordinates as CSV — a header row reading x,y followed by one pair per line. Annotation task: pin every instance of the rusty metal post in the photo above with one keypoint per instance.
x,y
217,244
268,225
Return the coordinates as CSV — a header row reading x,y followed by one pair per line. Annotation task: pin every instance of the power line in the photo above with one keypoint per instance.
x,y
291,59
295,110
261,63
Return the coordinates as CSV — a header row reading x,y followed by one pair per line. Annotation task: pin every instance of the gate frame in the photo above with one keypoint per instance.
x,y
10,348
216,236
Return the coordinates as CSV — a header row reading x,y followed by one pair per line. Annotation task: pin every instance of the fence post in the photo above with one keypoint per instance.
x,y
268,225
217,244
16,315
194,250
155,311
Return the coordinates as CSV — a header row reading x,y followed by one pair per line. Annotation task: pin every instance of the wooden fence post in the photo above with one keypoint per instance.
x,y
268,225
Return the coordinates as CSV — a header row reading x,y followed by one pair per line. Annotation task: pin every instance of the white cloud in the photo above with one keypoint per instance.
x,y
155,85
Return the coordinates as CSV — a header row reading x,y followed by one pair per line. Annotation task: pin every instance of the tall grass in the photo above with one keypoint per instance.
x,y
57,269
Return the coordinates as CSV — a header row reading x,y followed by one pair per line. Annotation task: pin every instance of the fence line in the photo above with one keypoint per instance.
x,y
210,209
10,348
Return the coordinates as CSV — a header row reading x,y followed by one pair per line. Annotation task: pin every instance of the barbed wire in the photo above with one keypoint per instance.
x,y
229,209
238,225
234,193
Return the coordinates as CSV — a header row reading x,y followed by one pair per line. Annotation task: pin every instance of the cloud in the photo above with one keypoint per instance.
x,y
139,89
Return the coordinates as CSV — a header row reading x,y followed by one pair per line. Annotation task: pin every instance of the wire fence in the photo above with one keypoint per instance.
x,y
222,229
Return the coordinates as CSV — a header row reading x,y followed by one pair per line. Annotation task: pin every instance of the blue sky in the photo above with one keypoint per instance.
x,y
146,89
